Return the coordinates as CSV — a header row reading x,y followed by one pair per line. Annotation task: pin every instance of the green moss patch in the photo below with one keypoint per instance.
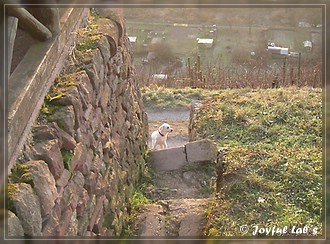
x,y
67,157
20,174
11,189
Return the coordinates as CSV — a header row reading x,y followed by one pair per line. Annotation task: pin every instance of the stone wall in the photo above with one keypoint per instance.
x,y
86,151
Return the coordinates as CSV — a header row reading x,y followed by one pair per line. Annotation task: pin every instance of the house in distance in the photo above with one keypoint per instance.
x,y
205,42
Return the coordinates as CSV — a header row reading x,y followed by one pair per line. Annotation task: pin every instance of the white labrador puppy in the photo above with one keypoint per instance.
x,y
159,136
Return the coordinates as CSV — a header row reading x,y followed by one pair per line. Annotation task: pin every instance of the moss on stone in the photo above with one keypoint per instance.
x,y
66,80
11,189
94,13
17,172
88,37
87,44
21,174
56,91
67,157
46,111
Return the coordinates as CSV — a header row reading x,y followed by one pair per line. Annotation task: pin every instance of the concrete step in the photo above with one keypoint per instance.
x,y
176,157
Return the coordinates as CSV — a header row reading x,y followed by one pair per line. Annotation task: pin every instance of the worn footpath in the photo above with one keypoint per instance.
x,y
180,196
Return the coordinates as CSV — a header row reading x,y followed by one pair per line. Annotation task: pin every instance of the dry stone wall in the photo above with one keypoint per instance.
x,y
86,152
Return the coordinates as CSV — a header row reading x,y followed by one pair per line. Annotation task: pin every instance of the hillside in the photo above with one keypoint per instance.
x,y
273,169
273,165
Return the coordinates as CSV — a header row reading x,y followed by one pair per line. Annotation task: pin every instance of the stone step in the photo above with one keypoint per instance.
x,y
176,157
173,217
151,221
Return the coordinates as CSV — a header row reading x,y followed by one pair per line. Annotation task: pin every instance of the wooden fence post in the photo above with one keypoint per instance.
x,y
284,71
12,28
190,73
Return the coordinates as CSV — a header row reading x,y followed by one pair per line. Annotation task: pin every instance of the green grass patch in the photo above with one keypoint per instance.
x,y
20,174
11,189
139,197
67,156
138,200
87,37
160,97
61,87
273,171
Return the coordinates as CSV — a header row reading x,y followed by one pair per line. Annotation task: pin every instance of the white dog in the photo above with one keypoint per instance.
x,y
159,136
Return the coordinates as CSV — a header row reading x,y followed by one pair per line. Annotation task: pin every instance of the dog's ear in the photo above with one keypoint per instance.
x,y
160,128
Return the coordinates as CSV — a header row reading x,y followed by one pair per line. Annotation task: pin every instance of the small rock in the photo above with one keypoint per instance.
x,y
27,208
79,157
65,118
49,151
53,221
64,179
68,142
14,225
201,151
65,222
44,185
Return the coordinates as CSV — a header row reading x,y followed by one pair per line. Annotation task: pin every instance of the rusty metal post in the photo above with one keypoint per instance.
x,y
284,71
291,77
189,72
299,60
198,73
195,74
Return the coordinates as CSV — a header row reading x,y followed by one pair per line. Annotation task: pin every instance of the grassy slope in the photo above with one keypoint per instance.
x,y
274,166
273,171
159,97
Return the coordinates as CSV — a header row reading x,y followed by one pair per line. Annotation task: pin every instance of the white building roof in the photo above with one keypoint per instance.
x,y
204,41
281,50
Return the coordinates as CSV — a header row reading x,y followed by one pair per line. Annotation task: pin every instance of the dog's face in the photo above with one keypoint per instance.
x,y
165,128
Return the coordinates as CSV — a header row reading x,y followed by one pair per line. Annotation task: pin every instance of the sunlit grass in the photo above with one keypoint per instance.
x,y
274,162
160,97
274,166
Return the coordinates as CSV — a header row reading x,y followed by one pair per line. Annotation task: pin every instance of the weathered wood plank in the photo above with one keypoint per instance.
x,y
30,23
12,28
33,77
49,17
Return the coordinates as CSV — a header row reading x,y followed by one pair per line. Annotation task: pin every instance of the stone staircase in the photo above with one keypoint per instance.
x,y
181,192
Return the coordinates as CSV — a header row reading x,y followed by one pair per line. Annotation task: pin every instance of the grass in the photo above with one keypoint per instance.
x,y
11,189
20,174
159,97
273,170
67,156
274,162
138,200
88,36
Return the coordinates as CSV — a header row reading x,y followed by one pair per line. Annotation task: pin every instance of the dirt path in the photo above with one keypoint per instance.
x,y
178,118
181,196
